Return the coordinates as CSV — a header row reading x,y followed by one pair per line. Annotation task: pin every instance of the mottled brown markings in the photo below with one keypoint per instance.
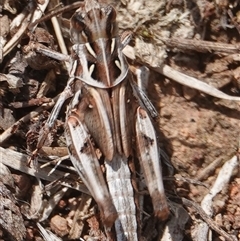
x,y
88,148
85,148
148,140
142,113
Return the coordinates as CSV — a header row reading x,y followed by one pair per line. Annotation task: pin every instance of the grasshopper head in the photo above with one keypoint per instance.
x,y
97,45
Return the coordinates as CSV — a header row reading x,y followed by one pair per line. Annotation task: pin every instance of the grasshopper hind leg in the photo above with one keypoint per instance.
x,y
148,154
83,156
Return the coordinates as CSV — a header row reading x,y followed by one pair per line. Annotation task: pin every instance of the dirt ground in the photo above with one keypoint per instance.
x,y
197,132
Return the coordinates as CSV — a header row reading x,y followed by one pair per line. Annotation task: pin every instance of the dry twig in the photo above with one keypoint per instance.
x,y
208,220
222,180
19,161
183,79
12,129
202,46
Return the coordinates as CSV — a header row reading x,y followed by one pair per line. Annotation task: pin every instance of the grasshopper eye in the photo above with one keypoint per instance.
x,y
111,13
77,23
78,29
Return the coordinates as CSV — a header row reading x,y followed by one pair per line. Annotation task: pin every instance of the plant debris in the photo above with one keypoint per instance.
x,y
190,43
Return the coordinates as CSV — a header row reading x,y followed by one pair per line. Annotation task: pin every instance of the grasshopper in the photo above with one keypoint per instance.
x,y
107,114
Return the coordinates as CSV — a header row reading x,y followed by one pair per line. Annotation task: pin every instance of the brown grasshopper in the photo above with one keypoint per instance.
x,y
107,114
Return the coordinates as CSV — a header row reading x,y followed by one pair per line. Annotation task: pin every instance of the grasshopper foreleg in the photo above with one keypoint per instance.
x,y
46,130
